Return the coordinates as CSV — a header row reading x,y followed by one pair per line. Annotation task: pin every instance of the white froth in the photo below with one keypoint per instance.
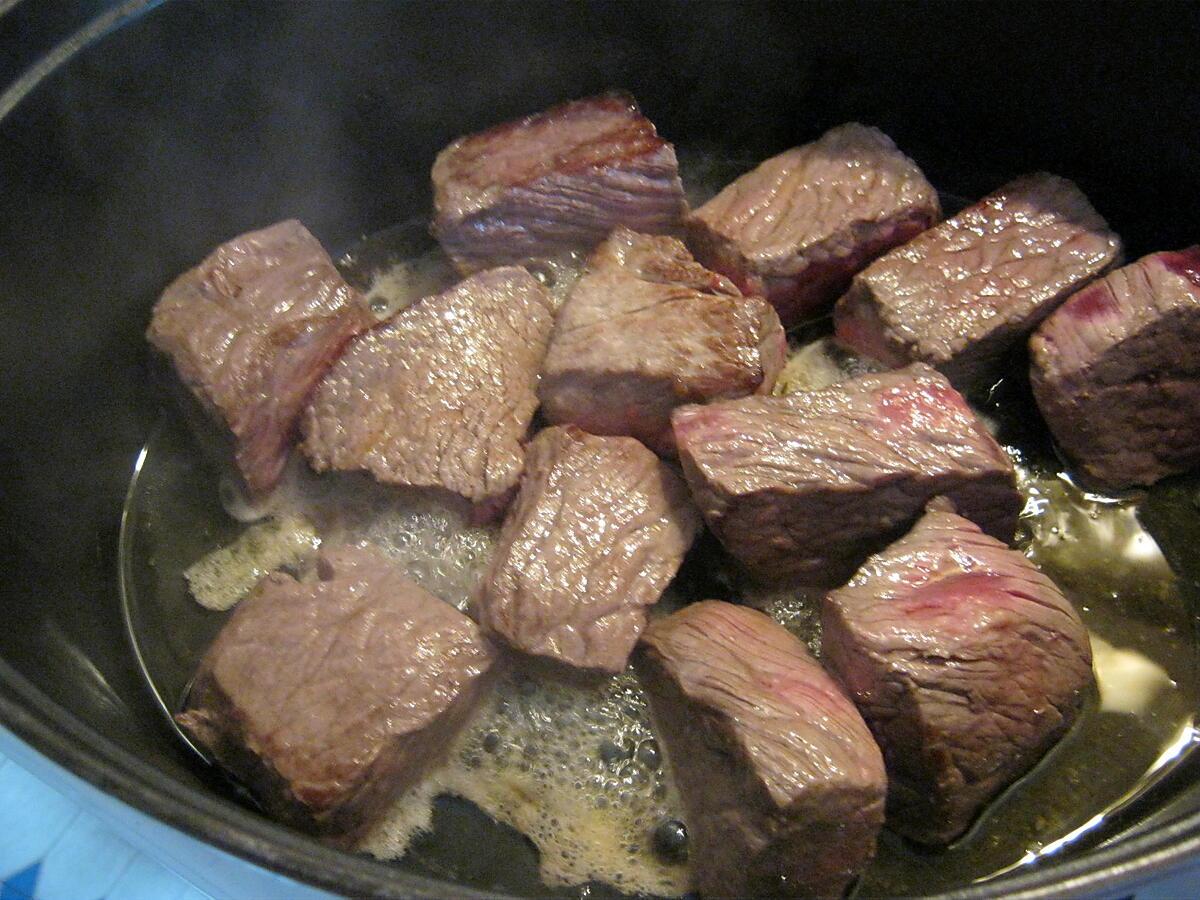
x,y
1129,681
408,281
222,578
575,768
820,364
796,609
558,275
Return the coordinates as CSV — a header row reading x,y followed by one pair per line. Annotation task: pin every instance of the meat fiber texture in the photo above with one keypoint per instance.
x,y
555,182
597,532
330,695
962,294
647,329
795,229
965,660
1116,372
782,785
442,395
251,330
802,488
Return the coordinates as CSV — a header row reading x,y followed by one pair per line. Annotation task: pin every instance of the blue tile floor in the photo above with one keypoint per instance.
x,y
51,849
63,839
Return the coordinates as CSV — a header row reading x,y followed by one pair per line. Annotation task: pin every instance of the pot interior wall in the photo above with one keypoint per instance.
x,y
198,121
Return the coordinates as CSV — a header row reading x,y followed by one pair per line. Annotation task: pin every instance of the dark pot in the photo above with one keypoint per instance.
x,y
132,146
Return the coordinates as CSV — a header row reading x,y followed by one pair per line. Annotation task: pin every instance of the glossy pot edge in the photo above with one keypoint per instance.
x,y
94,758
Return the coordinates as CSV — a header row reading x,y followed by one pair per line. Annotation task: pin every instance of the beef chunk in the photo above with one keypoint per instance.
x,y
329,695
803,487
965,660
556,181
1116,371
251,330
647,329
441,396
596,533
960,295
782,785
796,229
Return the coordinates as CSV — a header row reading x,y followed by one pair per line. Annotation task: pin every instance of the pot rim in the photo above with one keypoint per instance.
x,y
224,824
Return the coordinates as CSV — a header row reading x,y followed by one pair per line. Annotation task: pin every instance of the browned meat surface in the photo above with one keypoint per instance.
x,y
647,329
596,533
329,695
965,660
1116,371
251,330
441,396
960,295
556,181
804,487
782,784
796,229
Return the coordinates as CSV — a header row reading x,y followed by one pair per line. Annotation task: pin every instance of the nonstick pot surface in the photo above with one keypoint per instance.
x,y
156,140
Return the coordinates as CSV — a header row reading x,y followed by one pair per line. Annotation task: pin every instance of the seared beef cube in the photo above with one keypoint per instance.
x,y
553,182
647,329
803,487
796,229
441,396
1116,371
330,695
965,660
251,330
782,785
960,295
596,533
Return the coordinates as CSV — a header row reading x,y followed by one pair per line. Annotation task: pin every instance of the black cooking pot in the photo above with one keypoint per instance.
x,y
135,137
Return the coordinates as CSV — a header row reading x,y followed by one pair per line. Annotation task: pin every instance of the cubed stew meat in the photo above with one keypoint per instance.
x,y
797,227
442,395
597,531
251,330
954,662
328,695
646,329
803,487
1116,371
965,660
782,782
555,182
964,292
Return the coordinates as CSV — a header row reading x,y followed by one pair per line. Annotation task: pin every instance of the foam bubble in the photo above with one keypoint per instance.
x,y
222,578
558,274
820,364
407,281
1129,681
576,768
796,609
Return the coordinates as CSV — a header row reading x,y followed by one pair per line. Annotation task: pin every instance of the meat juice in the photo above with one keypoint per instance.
x,y
575,767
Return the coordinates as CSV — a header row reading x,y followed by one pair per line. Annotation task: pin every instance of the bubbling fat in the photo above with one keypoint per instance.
x,y
222,578
820,364
403,284
574,768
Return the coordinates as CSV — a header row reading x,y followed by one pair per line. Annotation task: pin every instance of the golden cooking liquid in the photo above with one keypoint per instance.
x,y
576,768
